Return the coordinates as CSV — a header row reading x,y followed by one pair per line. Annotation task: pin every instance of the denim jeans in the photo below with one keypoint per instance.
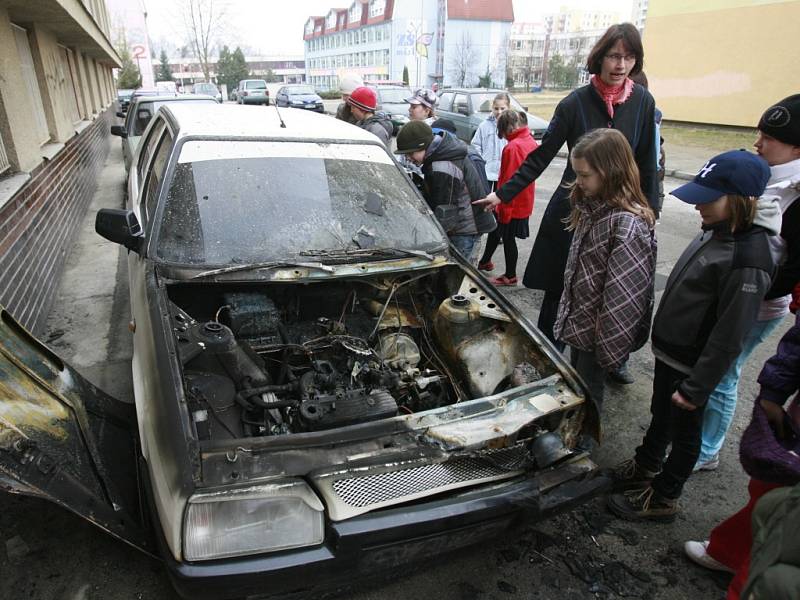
x,y
670,425
465,244
722,402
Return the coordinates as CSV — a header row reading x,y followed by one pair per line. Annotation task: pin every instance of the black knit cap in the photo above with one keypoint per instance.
x,y
415,135
782,121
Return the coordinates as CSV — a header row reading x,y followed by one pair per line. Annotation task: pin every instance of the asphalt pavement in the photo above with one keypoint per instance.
x,y
52,555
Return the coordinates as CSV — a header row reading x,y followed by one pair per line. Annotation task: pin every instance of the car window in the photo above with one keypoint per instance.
x,y
144,112
238,202
256,85
394,96
460,101
148,148
446,102
300,89
483,102
155,176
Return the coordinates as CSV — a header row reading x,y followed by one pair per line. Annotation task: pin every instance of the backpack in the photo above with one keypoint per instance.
x,y
480,167
474,168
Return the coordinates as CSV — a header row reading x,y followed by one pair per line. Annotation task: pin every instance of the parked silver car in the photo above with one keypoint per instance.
x,y
323,389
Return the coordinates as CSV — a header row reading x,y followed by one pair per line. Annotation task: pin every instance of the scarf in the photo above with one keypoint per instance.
x,y
612,95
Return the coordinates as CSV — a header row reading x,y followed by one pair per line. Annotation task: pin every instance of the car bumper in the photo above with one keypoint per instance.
x,y
255,100
365,546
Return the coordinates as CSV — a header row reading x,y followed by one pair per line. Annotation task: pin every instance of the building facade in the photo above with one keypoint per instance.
x,y
721,62
286,69
56,90
444,42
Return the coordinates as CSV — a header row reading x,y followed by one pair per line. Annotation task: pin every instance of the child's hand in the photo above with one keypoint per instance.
x,y
681,402
489,202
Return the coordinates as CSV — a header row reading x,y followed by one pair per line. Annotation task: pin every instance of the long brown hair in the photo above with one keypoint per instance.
x,y
608,152
743,211
630,37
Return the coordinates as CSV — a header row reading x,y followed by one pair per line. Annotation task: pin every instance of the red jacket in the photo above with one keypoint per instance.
x,y
520,144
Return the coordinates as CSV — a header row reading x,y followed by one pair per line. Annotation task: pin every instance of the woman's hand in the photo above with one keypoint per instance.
x,y
489,202
681,402
775,416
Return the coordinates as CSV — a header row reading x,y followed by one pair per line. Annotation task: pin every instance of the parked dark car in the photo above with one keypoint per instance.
x,y
469,107
299,96
323,389
392,102
124,99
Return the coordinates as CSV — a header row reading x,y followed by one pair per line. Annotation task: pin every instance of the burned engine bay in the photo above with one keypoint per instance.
x,y
273,359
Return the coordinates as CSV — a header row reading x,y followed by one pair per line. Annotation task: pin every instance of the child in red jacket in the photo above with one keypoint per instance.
x,y
512,217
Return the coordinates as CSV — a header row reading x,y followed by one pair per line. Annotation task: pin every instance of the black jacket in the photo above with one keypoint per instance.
x,y
789,272
379,125
452,180
581,111
711,301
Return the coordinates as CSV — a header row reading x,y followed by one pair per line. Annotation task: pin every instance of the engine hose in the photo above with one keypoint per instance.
x,y
261,403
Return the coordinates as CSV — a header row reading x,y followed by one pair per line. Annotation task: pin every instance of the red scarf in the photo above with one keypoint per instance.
x,y
612,95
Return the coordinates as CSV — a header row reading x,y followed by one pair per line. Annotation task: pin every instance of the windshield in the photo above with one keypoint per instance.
x,y
394,96
255,85
146,110
300,89
483,102
204,88
234,202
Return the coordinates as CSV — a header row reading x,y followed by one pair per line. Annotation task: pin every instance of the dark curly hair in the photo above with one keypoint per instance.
x,y
510,120
630,37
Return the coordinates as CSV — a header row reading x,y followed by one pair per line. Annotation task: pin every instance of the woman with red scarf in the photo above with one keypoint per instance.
x,y
612,100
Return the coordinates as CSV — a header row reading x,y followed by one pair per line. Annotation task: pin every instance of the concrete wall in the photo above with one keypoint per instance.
x,y
721,61
47,186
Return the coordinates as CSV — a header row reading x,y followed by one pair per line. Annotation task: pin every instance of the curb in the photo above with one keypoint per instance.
x,y
675,173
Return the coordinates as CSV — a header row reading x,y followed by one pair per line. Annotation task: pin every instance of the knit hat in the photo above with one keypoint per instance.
x,y
415,135
364,98
782,121
736,172
349,82
425,97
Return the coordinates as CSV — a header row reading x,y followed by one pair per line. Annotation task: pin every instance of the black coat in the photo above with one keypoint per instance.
x,y
581,111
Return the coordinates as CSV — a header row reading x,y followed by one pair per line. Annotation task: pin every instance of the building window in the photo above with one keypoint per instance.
x,y
376,8
355,11
31,83
66,71
4,164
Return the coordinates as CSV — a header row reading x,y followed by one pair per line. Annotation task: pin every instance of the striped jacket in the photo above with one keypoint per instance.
x,y
608,284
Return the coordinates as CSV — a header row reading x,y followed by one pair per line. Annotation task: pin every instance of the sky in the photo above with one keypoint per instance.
x,y
273,27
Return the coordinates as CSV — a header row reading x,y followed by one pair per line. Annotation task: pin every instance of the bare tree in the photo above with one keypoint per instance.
x,y
463,59
203,21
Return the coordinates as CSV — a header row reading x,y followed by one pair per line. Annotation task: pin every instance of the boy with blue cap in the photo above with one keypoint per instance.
x,y
711,300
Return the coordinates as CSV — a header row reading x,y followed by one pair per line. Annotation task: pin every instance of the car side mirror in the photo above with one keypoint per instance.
x,y
119,130
525,108
121,115
121,227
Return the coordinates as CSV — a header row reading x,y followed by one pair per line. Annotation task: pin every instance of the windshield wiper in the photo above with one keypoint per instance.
x,y
265,265
382,252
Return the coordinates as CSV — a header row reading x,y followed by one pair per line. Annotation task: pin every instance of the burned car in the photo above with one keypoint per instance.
x,y
322,388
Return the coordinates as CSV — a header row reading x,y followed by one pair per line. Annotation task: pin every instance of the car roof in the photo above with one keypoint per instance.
x,y
474,90
178,98
239,121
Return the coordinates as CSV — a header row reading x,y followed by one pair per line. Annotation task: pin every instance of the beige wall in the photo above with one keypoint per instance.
x,y
56,65
721,61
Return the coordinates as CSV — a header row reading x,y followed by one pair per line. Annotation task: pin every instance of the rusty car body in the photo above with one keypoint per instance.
x,y
322,388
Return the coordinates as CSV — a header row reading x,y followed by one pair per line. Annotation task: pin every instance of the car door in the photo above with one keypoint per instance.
x,y
280,97
64,440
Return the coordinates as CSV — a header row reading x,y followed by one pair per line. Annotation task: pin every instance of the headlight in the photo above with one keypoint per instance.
x,y
261,518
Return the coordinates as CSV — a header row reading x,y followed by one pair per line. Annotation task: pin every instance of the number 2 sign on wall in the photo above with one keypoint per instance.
x,y
138,51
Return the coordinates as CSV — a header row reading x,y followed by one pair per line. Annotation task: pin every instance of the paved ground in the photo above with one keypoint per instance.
x,y
583,554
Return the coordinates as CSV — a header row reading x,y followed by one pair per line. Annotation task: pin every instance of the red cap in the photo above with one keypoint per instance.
x,y
364,98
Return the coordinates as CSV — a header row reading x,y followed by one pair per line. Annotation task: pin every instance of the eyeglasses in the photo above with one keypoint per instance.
x,y
621,57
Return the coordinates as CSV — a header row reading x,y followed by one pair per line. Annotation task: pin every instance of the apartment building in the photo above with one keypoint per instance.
x,y
444,42
56,87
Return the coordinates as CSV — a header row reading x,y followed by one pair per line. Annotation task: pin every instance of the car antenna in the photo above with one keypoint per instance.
x,y
280,118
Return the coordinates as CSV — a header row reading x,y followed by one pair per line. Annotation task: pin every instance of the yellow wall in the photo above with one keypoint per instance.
x,y
721,61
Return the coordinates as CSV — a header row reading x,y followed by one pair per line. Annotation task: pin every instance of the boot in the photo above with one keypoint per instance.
x,y
628,475
640,505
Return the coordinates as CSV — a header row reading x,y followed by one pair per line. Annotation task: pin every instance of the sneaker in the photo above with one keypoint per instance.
x,y
712,464
643,504
486,266
698,553
628,475
503,280
622,375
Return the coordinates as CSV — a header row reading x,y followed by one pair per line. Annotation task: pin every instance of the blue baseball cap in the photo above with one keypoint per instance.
x,y
736,172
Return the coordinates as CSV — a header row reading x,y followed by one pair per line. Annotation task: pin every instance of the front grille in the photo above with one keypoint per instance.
x,y
347,495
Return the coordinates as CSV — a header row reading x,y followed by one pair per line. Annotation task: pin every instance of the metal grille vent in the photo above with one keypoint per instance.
x,y
385,487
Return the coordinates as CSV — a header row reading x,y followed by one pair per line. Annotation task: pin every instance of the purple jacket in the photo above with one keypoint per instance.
x,y
780,376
